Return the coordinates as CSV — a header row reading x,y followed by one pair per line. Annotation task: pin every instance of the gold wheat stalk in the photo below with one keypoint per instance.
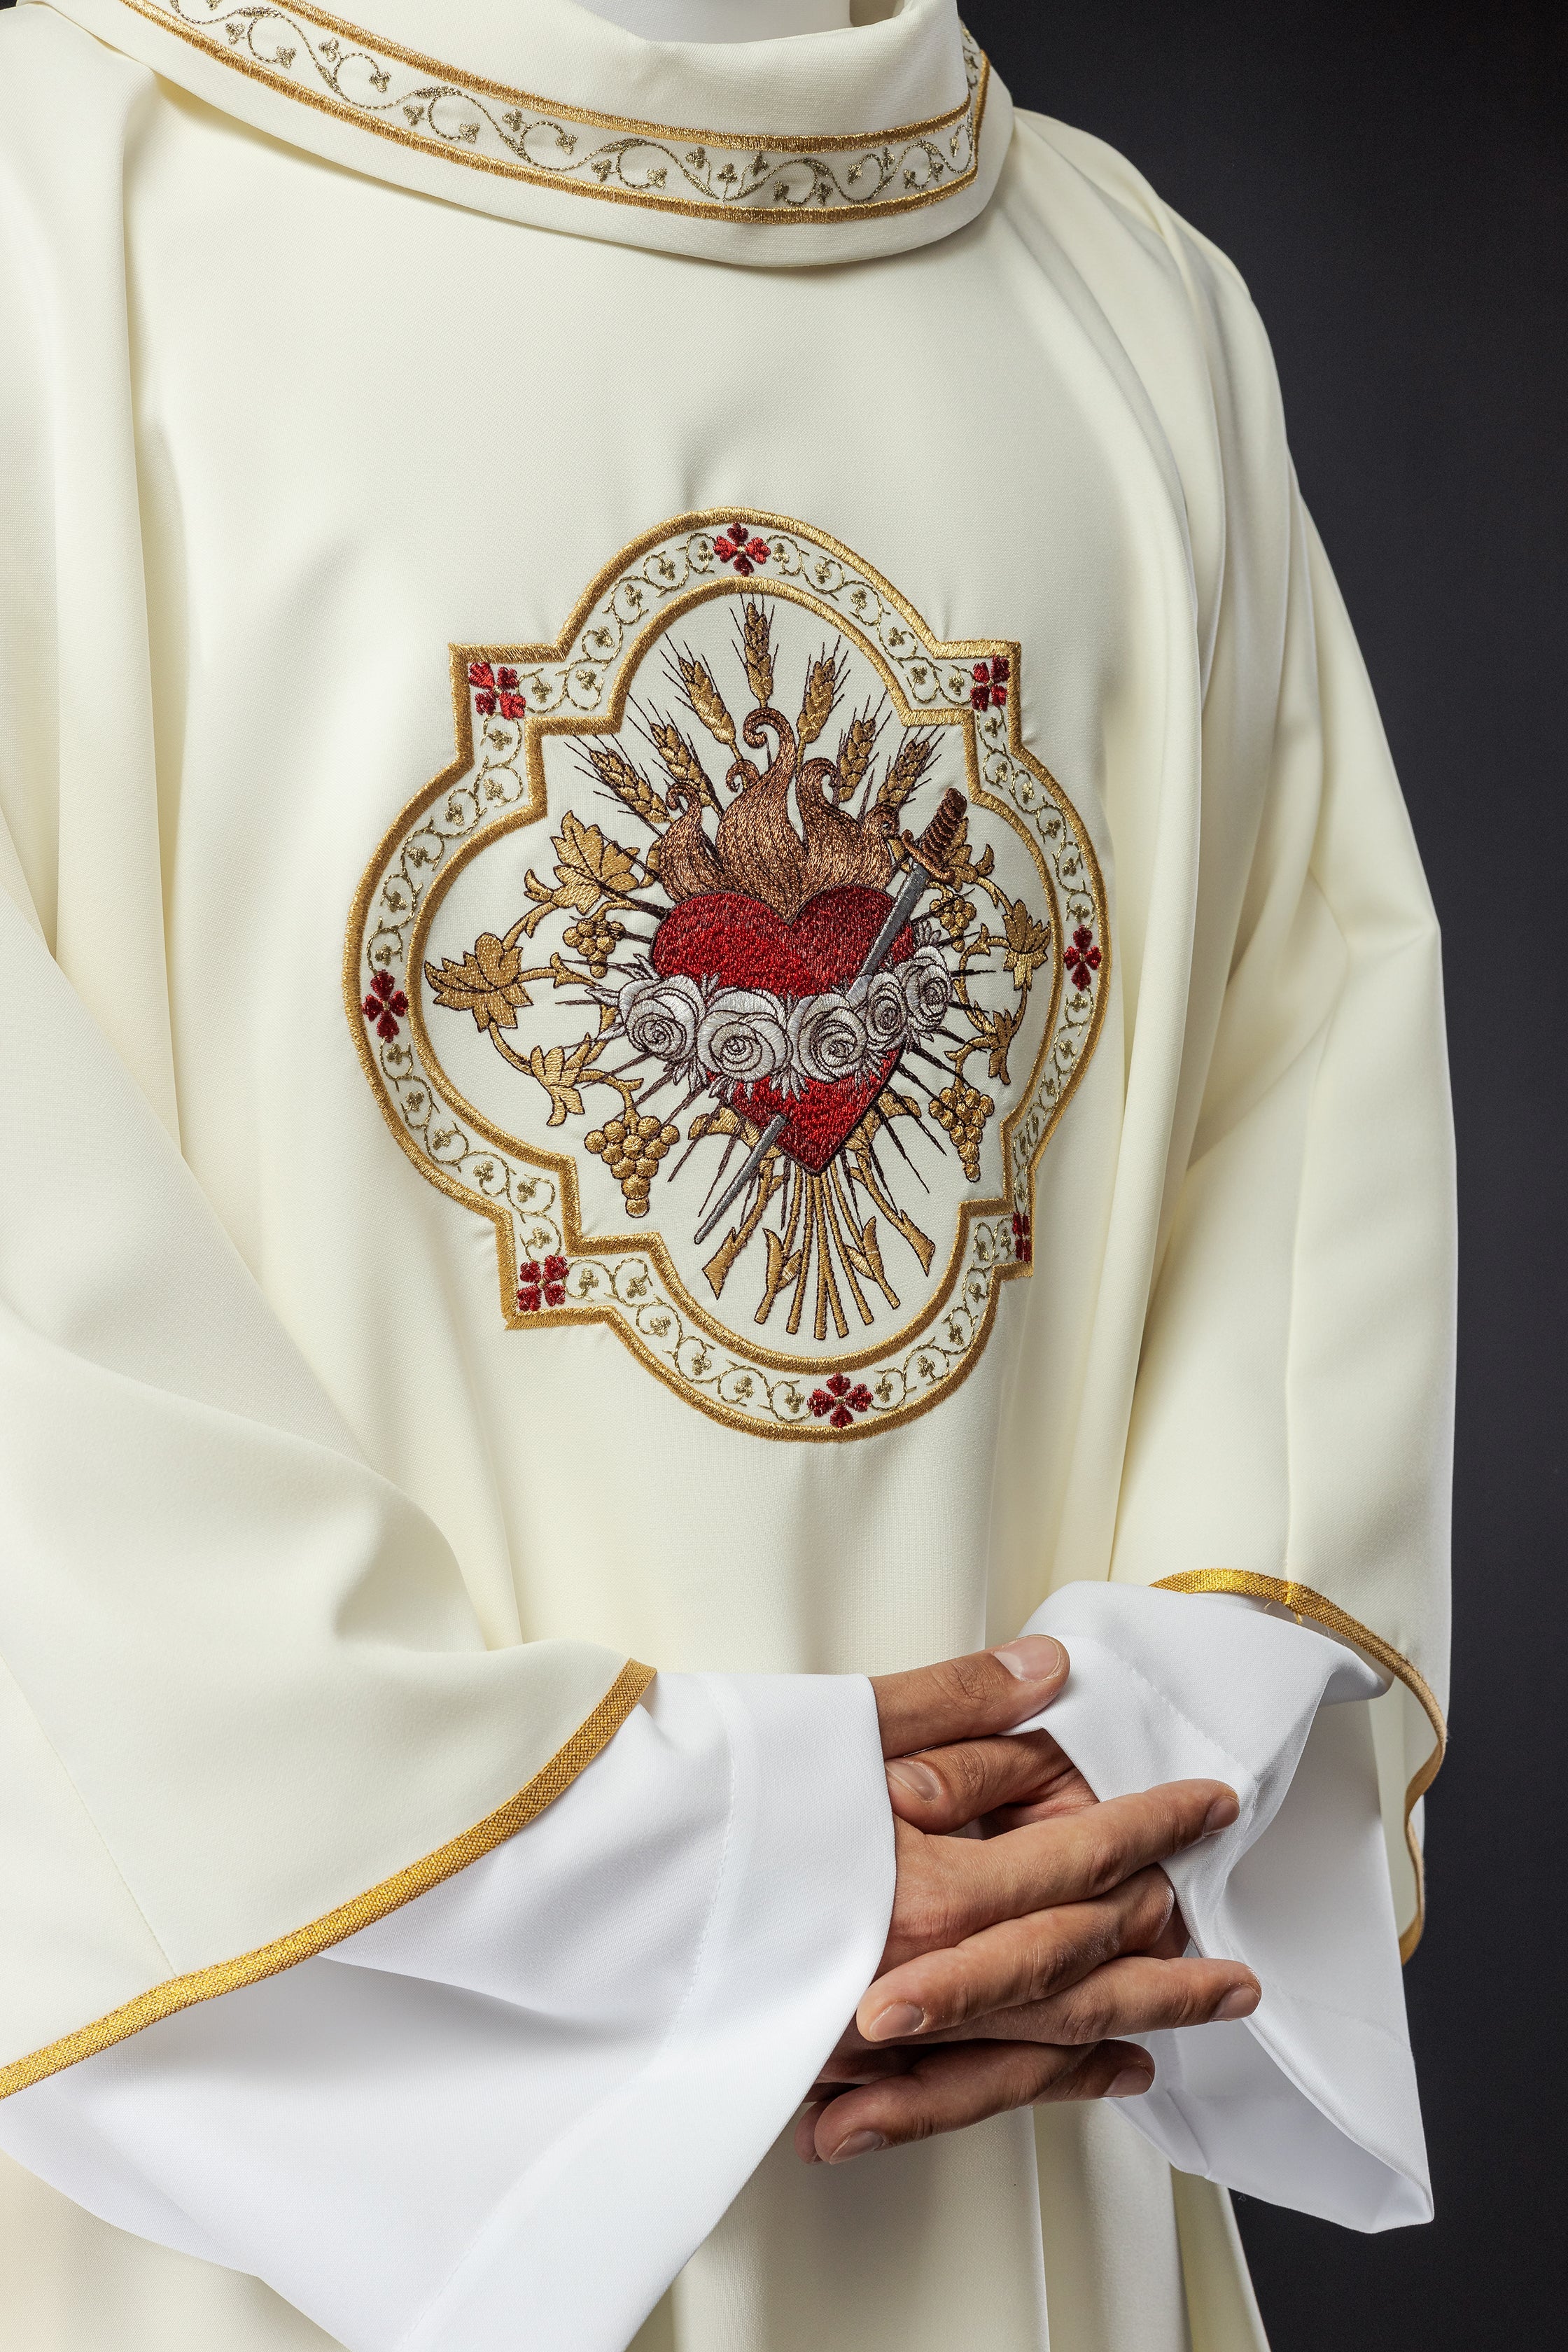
x,y
684,766
628,783
705,698
757,648
822,689
855,746
915,755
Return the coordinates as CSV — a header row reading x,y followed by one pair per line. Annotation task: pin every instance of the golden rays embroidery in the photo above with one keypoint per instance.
x,y
738,970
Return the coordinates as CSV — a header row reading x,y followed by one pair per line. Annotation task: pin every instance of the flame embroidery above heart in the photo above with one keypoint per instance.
x,y
738,970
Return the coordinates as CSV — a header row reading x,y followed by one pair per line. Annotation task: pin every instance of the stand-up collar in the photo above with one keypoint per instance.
x,y
825,147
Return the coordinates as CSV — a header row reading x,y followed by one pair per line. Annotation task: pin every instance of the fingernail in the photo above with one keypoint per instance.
x,y
918,1778
902,2018
1032,1658
1239,2003
860,2143
1221,1813
1130,2083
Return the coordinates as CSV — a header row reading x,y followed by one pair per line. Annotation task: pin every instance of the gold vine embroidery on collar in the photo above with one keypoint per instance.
x,y
331,65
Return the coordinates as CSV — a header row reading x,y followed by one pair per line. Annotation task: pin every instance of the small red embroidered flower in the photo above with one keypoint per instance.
x,y
737,546
542,1286
1023,1240
384,1006
1082,958
495,690
837,1403
989,687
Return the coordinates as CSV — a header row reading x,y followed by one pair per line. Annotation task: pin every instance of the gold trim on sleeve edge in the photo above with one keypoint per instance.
x,y
1302,1601
161,2001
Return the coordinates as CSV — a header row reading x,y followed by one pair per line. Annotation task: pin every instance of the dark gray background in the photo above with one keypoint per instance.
x,y
1393,183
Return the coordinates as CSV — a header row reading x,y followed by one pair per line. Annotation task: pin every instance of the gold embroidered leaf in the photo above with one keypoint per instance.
x,y
588,866
1028,941
587,855
994,1031
486,984
562,1074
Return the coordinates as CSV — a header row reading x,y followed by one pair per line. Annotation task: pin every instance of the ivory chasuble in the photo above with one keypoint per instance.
x,y
714,961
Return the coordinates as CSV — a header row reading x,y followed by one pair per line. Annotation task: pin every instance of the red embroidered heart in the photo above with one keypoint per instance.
x,y
725,936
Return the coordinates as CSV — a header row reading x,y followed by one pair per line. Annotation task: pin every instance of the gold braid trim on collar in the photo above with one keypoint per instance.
x,y
763,177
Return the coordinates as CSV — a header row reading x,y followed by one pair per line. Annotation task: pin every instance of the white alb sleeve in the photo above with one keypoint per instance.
x,y
1311,2101
537,2087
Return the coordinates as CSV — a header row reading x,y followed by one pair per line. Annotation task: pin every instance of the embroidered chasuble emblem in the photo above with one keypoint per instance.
x,y
738,970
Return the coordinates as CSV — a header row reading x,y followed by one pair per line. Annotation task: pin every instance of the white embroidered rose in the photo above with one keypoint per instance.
x,y
828,1038
661,1017
927,987
881,1001
743,1036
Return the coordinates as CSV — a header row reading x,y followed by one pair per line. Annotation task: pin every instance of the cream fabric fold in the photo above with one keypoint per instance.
x,y
275,436
658,1966
1311,2101
537,2087
208,1585
833,146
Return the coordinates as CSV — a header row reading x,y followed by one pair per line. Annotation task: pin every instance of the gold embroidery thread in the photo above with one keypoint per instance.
x,y
1304,1602
196,1985
708,912
336,68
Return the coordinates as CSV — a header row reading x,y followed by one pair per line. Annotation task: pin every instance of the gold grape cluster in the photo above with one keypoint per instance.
x,y
963,1110
595,938
954,913
631,1148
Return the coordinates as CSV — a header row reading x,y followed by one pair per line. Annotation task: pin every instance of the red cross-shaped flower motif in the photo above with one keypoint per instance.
x,y
384,1006
989,687
496,689
837,1403
542,1286
740,547
1082,958
1023,1240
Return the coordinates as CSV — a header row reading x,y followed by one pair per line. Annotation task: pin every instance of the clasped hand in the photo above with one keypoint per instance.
x,y
1016,1955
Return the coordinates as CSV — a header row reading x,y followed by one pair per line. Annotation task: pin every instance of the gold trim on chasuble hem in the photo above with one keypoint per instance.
x,y
1302,1601
592,1734
839,1109
439,109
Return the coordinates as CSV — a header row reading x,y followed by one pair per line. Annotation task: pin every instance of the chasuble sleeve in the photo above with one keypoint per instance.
x,y
1311,2101
1270,1411
1291,1427
576,2050
1289,1439
246,1704
1290,1432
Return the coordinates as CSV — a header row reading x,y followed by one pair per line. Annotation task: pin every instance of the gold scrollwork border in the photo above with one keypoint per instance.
x,y
1302,1601
790,150
553,1779
561,1166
